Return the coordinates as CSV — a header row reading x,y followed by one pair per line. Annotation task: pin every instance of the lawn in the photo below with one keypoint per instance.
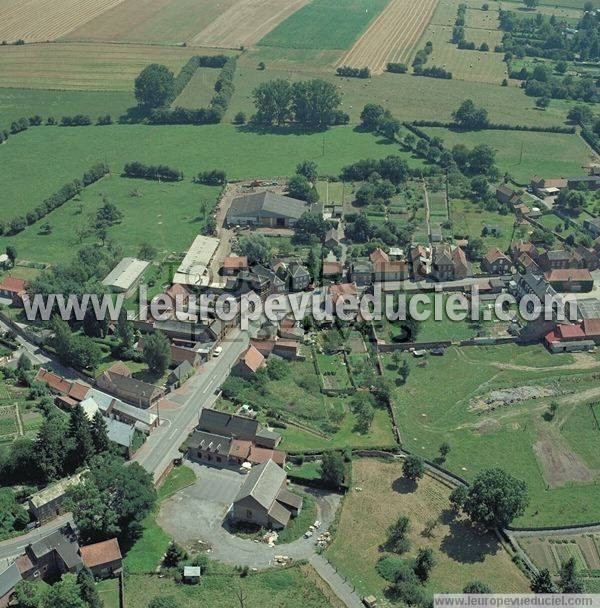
x,y
525,154
200,89
150,210
189,148
333,371
325,24
469,219
109,592
16,103
294,587
462,554
299,525
439,403
81,67
146,553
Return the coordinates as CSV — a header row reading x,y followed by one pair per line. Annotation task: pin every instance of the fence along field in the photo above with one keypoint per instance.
x,y
392,36
43,20
246,22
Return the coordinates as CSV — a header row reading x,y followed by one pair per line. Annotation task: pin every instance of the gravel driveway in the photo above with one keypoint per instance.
x,y
197,512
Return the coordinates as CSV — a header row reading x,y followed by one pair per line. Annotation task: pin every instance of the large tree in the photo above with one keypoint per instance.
x,y
332,469
154,86
82,442
273,101
315,102
468,116
256,248
310,227
569,580
157,352
99,433
495,498
299,187
64,594
413,468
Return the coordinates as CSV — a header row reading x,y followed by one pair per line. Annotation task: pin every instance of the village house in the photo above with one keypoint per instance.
x,y
507,196
517,248
103,559
387,270
496,262
557,258
180,374
526,264
573,280
111,407
264,499
419,261
9,578
361,273
449,264
234,264
542,187
249,362
118,380
266,209
299,276
264,281
48,503
68,392
13,289
237,427
332,238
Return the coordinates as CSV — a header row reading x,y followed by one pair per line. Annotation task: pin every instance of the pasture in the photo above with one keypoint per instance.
x,y
43,20
189,148
151,212
392,36
151,21
199,90
524,154
244,23
16,103
462,554
325,24
72,66
449,399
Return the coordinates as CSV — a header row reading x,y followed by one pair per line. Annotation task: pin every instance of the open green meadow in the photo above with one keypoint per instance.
x,y
325,24
166,215
448,399
525,154
242,153
17,103
200,89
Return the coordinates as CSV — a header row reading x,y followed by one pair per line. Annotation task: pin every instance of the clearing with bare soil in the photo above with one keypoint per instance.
x,y
392,37
245,23
43,20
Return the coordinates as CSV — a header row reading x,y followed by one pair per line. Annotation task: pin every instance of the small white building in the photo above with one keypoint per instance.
x,y
194,268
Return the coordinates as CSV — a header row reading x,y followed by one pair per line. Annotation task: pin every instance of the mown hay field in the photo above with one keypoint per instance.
x,y
199,90
92,67
152,21
392,36
42,20
244,23
325,24
462,553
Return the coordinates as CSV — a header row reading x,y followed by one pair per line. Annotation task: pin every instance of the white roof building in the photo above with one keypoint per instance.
x,y
193,269
125,275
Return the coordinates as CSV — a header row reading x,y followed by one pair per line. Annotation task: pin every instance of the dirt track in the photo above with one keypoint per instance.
x,y
246,22
582,361
44,20
392,36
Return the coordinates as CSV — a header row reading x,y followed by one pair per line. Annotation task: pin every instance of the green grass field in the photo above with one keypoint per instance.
x,y
468,218
434,406
325,24
524,154
16,103
151,211
200,89
241,153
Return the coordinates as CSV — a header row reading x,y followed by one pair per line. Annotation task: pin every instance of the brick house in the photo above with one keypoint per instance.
x,y
496,262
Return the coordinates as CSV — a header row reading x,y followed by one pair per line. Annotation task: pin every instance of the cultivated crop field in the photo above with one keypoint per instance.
x,y
449,399
325,24
42,20
392,36
72,66
152,21
246,22
524,154
462,554
550,551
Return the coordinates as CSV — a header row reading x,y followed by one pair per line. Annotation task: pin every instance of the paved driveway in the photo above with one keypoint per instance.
x,y
197,514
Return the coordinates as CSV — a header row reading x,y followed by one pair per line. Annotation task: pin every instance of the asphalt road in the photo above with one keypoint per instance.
x,y
163,443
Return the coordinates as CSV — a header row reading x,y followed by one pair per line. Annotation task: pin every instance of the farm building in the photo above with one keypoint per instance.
x,y
47,503
194,268
589,182
264,498
103,559
125,276
13,289
118,380
592,226
266,209
111,407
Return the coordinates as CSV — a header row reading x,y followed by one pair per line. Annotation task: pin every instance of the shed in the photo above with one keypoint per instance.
x,y
191,574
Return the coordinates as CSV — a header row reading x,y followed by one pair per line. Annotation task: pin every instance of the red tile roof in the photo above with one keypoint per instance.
x,y
332,268
569,274
340,290
253,359
379,255
101,553
119,368
494,254
591,327
13,285
568,332
234,262
240,449
260,455
75,390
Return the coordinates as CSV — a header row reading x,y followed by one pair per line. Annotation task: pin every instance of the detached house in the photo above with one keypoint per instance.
x,y
264,498
449,264
249,363
574,280
496,262
558,258
117,380
234,264
14,290
507,196
387,270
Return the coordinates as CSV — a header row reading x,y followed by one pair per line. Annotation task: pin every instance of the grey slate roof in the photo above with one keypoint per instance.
x,y
182,370
119,432
209,442
267,204
9,578
264,433
228,425
65,544
263,484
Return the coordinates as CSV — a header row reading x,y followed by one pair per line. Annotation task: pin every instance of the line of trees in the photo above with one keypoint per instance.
x,y
310,103
79,120
163,173
351,72
59,198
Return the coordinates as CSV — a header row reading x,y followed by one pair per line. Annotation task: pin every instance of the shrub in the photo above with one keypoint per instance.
x,y
397,68
154,172
353,72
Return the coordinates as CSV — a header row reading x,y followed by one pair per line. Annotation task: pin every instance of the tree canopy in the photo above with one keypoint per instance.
x,y
154,86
